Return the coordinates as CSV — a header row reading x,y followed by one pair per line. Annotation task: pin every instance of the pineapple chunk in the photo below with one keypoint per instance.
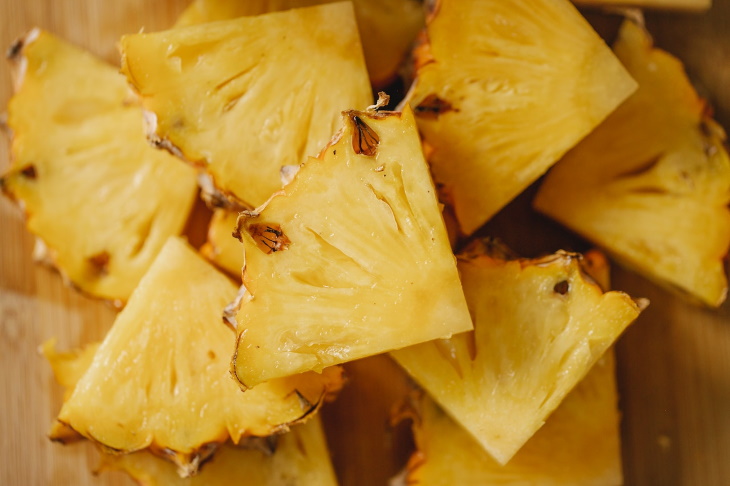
x,y
503,89
350,259
696,5
222,248
652,184
579,444
244,97
539,327
160,380
83,171
387,27
300,458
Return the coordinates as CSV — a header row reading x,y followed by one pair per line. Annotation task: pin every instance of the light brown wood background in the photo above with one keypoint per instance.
x,y
674,363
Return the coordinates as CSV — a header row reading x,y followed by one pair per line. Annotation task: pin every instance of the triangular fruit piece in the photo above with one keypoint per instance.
x,y
652,184
350,259
221,247
160,379
387,27
299,457
503,90
579,445
242,98
83,171
539,327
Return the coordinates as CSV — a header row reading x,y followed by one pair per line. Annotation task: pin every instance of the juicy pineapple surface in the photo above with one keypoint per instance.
x,y
83,171
350,259
300,458
539,326
503,89
387,27
221,247
244,97
579,445
160,378
652,184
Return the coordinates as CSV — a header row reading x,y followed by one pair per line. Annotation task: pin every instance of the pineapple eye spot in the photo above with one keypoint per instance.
x,y
432,107
211,354
30,172
364,139
269,238
561,287
100,262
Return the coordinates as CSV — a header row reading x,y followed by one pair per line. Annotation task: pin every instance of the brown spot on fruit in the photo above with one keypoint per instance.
x,y
29,172
269,237
432,107
364,139
561,287
100,262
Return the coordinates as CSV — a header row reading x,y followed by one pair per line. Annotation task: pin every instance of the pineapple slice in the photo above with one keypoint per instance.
x,y
222,248
79,149
652,184
693,5
503,89
300,458
160,378
244,97
579,444
539,327
387,27
350,259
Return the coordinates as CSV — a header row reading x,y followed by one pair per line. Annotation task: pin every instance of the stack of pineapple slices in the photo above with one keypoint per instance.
x,y
349,256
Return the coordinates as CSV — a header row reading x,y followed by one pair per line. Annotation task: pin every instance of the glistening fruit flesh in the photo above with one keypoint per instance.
x,y
350,259
83,172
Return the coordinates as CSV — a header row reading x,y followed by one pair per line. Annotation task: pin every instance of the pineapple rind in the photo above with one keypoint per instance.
x,y
79,149
367,267
539,327
300,457
521,84
579,445
651,185
160,380
244,97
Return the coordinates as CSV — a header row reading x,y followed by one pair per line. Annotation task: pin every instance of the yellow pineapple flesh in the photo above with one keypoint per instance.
x,y
652,184
694,5
221,247
83,171
503,89
350,259
579,445
300,457
160,380
387,27
242,98
539,326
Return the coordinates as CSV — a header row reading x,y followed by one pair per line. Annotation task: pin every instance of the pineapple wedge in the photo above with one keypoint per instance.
x,y
652,184
299,458
79,149
222,248
350,259
387,27
578,446
244,97
503,89
539,327
160,380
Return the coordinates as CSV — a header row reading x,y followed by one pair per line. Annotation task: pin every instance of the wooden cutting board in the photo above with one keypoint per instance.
x,y
674,362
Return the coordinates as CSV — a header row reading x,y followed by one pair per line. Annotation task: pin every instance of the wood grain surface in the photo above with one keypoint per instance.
x,y
674,362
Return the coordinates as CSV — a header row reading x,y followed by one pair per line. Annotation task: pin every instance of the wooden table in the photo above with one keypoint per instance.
x,y
674,363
